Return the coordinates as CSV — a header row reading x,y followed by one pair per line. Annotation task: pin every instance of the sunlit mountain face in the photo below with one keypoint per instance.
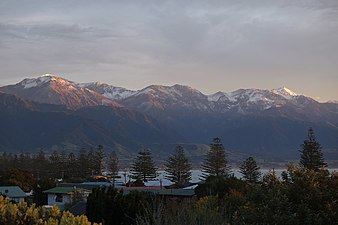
x,y
269,123
53,89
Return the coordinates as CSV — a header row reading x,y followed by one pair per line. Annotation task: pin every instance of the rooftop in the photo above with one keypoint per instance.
x,y
165,192
12,191
64,190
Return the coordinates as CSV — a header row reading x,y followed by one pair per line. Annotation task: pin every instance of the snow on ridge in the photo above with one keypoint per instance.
x,y
84,85
288,91
47,75
108,91
35,82
215,97
285,92
152,89
43,79
118,94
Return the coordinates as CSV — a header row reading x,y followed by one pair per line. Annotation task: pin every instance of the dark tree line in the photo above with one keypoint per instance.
x,y
304,195
58,164
110,206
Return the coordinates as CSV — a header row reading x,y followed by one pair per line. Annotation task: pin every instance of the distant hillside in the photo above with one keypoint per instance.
x,y
267,123
25,127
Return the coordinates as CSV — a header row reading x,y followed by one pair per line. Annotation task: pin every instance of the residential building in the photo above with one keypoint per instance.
x,y
14,193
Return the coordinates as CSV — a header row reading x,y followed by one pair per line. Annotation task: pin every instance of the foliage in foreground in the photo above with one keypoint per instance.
x,y
21,213
301,197
109,206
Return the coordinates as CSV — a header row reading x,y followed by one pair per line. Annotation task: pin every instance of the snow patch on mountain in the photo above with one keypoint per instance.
x,y
35,82
43,79
108,91
285,92
175,91
216,97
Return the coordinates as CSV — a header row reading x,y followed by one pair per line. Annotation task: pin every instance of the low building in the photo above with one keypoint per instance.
x,y
14,193
60,196
86,185
166,195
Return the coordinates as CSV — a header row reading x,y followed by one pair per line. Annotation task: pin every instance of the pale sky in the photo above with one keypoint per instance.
x,y
209,45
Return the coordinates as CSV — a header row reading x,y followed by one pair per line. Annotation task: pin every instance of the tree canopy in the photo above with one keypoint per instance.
x,y
250,170
215,163
178,167
311,153
143,166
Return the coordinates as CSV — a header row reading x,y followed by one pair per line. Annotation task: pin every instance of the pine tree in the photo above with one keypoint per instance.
x,y
144,166
83,164
41,164
113,166
250,170
98,160
70,165
178,168
311,153
54,160
215,163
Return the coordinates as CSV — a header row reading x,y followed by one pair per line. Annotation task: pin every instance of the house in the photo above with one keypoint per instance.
x,y
60,196
86,185
166,195
14,193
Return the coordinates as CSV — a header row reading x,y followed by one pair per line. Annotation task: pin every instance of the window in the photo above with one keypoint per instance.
x,y
58,198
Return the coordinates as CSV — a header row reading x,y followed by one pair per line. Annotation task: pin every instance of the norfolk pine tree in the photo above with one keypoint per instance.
x,y
177,167
311,153
216,163
250,170
113,166
144,167
99,160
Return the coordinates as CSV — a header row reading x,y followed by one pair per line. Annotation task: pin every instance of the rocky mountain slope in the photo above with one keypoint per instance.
x,y
252,121
27,126
53,89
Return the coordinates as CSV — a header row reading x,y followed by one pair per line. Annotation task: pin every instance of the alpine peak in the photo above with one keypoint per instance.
x,y
285,92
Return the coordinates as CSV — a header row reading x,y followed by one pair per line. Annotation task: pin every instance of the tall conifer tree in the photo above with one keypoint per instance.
x,y
216,163
311,156
113,166
178,168
250,170
144,167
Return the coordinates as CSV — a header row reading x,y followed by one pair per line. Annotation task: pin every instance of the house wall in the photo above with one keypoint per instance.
x,y
17,199
52,199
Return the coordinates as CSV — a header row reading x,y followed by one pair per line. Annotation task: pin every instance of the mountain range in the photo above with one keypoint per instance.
x,y
51,111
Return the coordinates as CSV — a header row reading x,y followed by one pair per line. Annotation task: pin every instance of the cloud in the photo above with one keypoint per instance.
x,y
63,32
207,44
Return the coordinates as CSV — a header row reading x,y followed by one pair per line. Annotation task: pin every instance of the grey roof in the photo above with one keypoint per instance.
x,y
166,192
12,191
64,190
86,185
78,209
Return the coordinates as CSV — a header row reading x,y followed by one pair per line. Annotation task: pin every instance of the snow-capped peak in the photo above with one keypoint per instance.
x,y
285,92
90,84
43,79
108,91
47,75
288,91
35,82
